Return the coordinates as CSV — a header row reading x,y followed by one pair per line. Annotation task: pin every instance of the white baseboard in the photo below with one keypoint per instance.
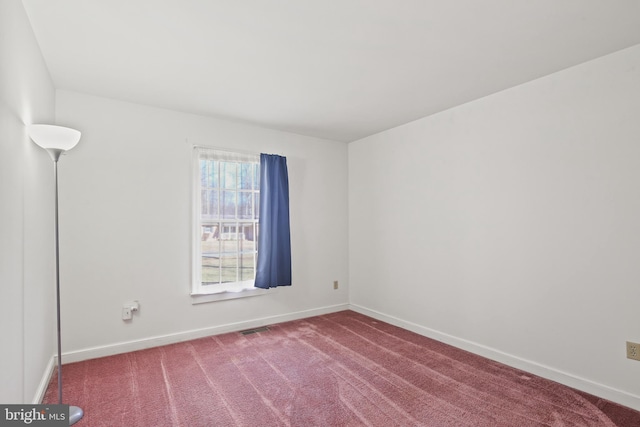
x,y
141,344
624,398
44,381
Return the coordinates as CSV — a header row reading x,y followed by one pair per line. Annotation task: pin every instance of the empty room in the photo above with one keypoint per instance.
x,y
320,213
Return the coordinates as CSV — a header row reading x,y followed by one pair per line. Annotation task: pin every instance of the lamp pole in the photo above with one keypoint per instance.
x,y
57,256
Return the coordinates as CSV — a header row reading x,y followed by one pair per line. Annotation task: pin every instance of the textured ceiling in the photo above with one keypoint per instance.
x,y
335,69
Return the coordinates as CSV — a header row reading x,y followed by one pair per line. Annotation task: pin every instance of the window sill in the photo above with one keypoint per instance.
x,y
226,295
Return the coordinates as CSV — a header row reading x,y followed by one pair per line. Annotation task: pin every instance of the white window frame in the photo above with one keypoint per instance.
x,y
205,293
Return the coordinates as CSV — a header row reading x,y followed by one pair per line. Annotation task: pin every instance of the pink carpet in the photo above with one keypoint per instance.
x,y
341,369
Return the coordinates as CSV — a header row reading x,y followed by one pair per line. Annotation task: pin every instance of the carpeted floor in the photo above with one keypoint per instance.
x,y
341,369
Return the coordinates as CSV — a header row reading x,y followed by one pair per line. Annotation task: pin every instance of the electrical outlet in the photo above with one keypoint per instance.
x,y
335,284
633,350
126,313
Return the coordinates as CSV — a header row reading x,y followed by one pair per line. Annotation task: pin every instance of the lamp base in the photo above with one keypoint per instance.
x,y
75,414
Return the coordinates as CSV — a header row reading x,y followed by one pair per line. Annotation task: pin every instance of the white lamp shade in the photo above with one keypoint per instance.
x,y
54,137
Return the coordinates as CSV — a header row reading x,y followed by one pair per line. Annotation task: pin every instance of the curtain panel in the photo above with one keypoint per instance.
x,y
274,238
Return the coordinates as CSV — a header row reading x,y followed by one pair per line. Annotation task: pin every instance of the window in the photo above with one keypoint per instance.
x,y
227,197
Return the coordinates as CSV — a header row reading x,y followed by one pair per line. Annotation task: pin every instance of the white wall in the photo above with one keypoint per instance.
x,y
125,212
26,211
511,225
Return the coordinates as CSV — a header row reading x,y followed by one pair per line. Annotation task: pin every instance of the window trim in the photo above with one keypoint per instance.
x,y
227,295
198,292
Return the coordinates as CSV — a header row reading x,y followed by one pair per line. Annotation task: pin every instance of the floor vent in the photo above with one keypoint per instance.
x,y
253,331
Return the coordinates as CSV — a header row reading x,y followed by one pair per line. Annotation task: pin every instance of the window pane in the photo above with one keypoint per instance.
x,y
247,249
209,204
204,202
256,236
229,258
214,172
246,176
228,204
247,271
203,173
228,172
245,208
214,204
250,234
208,173
210,270
256,205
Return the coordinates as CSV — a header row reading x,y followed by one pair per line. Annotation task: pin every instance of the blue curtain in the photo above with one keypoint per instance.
x,y
274,238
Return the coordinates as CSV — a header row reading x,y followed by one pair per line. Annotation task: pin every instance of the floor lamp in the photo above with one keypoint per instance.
x,y
57,140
